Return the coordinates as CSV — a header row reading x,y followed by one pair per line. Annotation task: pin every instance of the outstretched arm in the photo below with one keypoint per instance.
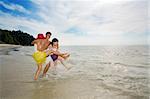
x,y
33,42
63,55
58,53
49,52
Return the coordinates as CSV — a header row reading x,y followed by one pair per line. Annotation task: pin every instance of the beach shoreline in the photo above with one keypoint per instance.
x,y
5,48
111,73
9,45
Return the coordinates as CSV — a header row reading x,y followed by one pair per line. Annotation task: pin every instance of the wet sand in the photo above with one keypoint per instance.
x,y
5,48
81,82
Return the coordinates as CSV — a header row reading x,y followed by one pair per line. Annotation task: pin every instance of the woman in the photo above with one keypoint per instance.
x,y
54,46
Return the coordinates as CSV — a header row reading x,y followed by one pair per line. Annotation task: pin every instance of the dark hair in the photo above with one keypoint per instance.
x,y
54,40
50,43
48,33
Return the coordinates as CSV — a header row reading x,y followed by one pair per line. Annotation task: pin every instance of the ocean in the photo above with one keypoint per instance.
x,y
98,72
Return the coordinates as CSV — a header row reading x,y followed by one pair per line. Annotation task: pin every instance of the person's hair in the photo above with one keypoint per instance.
x,y
54,40
50,43
48,33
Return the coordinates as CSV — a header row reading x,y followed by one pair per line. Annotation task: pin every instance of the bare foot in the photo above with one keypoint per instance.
x,y
43,75
66,56
35,78
46,76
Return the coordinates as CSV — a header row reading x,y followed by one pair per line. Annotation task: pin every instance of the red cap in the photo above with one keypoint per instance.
x,y
40,36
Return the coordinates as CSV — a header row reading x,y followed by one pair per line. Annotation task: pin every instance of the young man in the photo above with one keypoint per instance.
x,y
40,55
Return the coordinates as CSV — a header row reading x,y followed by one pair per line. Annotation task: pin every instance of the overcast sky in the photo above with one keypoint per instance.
x,y
79,22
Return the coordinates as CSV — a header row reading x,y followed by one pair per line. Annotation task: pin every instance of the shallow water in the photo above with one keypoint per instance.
x,y
99,72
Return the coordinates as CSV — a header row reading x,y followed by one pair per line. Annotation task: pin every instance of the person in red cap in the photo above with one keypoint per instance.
x,y
40,55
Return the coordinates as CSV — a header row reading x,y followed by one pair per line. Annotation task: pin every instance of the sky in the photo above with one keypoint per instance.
x,y
80,22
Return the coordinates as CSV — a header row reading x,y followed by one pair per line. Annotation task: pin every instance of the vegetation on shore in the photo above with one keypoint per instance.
x,y
15,37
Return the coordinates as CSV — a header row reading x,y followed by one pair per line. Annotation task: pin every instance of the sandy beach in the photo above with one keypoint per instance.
x,y
94,76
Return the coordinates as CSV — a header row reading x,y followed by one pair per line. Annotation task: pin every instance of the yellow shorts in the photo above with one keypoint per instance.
x,y
39,57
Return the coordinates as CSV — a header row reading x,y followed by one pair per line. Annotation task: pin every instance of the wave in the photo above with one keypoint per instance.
x,y
143,65
139,66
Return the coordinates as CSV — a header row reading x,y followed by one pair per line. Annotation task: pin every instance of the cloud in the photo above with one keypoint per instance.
x,y
88,22
15,7
12,22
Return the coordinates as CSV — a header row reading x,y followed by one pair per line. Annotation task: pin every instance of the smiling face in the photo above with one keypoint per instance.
x,y
48,36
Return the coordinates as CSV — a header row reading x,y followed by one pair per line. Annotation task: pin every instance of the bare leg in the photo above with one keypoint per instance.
x,y
46,69
51,63
55,64
62,62
38,71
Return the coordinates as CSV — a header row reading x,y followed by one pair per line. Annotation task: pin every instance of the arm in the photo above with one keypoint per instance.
x,y
33,42
63,55
49,52
58,53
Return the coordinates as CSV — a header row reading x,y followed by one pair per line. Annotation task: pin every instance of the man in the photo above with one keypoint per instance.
x,y
40,54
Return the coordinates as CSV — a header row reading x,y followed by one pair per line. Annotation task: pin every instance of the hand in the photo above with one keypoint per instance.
x,y
65,53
